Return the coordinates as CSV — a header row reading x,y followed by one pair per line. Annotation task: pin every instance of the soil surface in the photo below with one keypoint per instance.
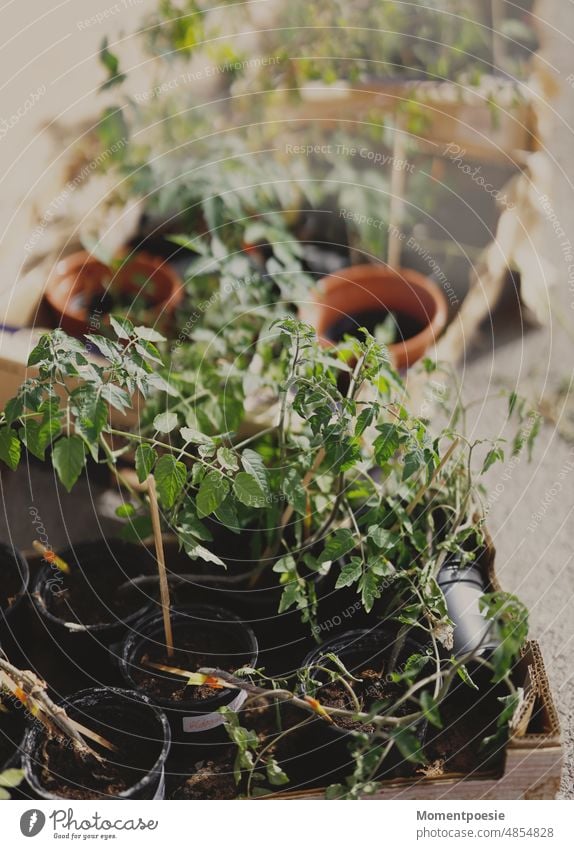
x,y
212,780
202,648
373,687
71,775
94,598
405,326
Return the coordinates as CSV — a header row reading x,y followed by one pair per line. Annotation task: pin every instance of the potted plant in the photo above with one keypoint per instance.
x,y
82,290
401,307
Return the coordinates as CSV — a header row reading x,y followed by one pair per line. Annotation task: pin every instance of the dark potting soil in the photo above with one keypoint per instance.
x,y
212,780
202,648
405,326
95,598
459,744
10,586
373,687
71,775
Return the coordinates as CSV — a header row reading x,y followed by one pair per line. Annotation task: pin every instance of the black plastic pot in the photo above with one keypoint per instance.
x,y
13,722
83,649
327,745
14,580
190,718
126,719
463,588
281,636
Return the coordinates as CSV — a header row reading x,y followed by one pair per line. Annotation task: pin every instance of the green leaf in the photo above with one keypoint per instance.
x,y
248,490
492,457
338,543
69,458
275,774
369,587
41,351
412,463
170,476
123,327
196,437
111,63
165,422
350,573
365,419
124,511
146,457
195,550
383,538
408,745
253,463
294,491
10,448
36,435
387,443
212,492
92,416
11,777
430,709
137,529
148,334
227,459
14,409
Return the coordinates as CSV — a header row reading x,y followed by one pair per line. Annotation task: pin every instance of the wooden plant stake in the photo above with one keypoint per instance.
x,y
163,582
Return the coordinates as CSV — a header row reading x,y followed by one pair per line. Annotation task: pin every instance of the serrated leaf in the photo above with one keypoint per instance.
x,y
69,458
165,422
146,457
294,491
364,420
350,573
148,334
387,443
123,327
338,543
248,491
36,435
227,459
369,587
195,550
212,492
170,476
196,437
10,448
253,463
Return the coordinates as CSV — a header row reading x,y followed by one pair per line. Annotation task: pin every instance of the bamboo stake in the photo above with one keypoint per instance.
x,y
398,182
163,582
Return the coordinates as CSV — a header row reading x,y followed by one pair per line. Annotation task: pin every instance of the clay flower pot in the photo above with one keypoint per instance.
x,y
364,294
82,290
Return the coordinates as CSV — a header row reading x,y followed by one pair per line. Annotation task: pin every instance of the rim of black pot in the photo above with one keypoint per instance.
x,y
11,553
75,553
128,649
350,641
32,738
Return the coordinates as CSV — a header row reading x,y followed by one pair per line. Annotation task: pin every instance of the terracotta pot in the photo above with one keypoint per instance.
x,y
364,288
80,279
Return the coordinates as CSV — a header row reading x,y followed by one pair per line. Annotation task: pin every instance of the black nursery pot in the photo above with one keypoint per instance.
x,y
14,579
327,752
13,722
85,612
203,636
135,771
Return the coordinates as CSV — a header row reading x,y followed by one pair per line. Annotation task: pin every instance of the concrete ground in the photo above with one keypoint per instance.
x,y
531,505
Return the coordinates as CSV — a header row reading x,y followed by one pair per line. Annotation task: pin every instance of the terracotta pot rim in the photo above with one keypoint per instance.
x,y
421,287
75,263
